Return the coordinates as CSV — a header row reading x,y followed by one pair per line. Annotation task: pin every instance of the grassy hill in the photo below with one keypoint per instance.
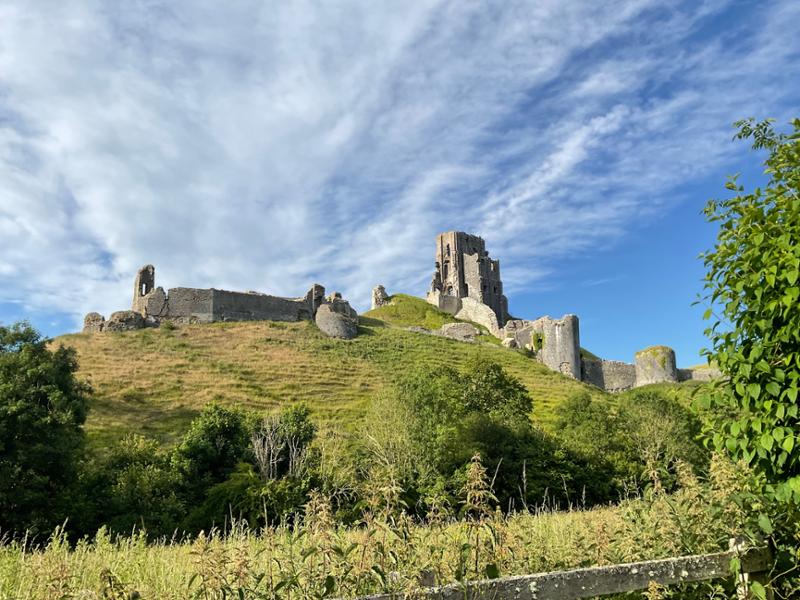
x,y
154,381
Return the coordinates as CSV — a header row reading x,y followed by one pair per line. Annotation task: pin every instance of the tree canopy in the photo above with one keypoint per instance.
x,y
42,411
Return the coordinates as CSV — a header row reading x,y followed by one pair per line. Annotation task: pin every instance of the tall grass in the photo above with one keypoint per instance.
x,y
386,552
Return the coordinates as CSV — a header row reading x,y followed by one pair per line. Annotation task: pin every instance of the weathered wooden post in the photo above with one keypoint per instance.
x,y
745,578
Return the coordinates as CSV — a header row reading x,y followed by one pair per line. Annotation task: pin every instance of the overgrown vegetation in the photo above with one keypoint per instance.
x,y
388,551
753,291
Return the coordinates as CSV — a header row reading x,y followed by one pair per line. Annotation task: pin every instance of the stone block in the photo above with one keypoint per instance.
x,y
477,312
124,320
463,332
93,323
336,324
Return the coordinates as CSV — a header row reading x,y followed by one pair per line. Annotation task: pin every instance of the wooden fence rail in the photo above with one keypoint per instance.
x,y
597,581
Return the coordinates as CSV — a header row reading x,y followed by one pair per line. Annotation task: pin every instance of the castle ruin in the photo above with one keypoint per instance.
x,y
466,283
151,306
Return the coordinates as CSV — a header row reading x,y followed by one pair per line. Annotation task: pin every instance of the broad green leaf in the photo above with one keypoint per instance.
x,y
765,524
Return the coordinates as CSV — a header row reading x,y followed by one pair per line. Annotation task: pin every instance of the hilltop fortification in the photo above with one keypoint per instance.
x,y
466,283
152,305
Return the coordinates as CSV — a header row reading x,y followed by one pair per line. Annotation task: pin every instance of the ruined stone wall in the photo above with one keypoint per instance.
x,y
482,279
192,305
609,375
449,304
699,374
189,305
561,348
143,284
240,306
655,365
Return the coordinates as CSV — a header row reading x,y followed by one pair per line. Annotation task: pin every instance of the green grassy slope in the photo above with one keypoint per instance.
x,y
154,381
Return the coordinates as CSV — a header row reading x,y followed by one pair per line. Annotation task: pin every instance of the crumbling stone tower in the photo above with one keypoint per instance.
x,y
464,270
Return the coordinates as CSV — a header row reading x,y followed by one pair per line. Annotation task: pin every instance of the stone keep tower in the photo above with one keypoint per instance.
x,y
464,270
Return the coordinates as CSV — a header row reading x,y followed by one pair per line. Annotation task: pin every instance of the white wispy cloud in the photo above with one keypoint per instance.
x,y
249,146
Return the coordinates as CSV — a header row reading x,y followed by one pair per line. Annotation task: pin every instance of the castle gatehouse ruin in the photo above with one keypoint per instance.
x,y
152,305
466,283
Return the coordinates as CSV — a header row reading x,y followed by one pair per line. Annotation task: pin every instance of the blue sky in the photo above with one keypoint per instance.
x,y
251,145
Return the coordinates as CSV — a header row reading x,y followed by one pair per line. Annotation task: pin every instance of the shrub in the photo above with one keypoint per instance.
x,y
642,438
134,486
42,411
217,440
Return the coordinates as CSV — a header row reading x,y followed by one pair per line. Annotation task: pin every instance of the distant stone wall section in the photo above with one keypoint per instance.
x,y
560,340
609,375
182,305
152,305
702,374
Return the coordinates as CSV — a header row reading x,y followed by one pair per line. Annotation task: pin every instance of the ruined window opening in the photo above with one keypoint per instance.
x,y
495,289
444,271
449,290
144,289
466,289
484,287
447,250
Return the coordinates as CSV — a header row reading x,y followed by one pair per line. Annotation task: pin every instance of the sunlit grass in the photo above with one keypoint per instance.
x,y
316,558
154,381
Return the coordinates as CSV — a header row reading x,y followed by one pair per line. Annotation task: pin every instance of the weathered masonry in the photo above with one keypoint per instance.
x,y
192,305
466,283
152,305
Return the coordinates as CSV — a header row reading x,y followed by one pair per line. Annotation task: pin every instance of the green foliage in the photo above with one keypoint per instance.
x,y
644,436
753,293
217,440
42,410
752,282
246,498
274,486
425,436
133,486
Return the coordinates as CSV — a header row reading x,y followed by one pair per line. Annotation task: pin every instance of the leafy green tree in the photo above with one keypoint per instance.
x,y
656,433
217,440
277,488
133,486
42,411
444,417
754,296
642,435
